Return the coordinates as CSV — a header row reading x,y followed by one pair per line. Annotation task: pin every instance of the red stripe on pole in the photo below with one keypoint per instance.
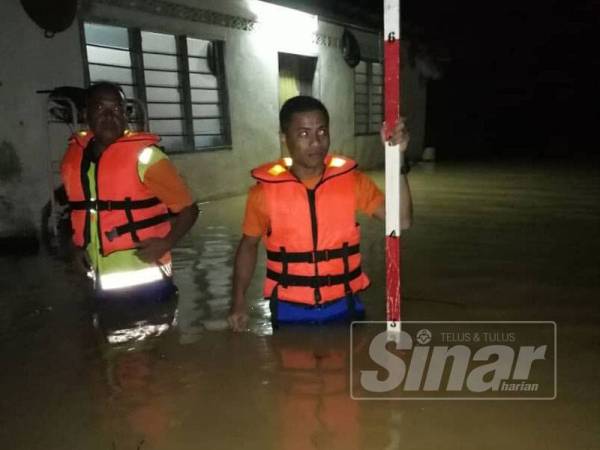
x,y
392,263
392,82
392,112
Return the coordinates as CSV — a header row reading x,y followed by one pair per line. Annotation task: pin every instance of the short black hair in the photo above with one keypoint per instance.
x,y
299,104
104,86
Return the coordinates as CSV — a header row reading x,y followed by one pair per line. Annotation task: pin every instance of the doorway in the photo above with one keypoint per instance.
x,y
297,76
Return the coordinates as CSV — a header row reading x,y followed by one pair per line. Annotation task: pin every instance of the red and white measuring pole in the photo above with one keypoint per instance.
x,y
393,163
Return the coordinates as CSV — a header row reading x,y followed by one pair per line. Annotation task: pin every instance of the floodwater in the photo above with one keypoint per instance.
x,y
489,242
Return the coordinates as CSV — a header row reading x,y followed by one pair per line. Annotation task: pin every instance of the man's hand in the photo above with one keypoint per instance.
x,y
400,135
151,250
245,261
238,318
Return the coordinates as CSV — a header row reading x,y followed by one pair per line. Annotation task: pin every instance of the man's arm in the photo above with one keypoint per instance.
x,y
152,249
163,180
245,263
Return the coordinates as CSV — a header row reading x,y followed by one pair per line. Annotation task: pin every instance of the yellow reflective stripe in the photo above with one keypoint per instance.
x,y
130,278
145,155
148,157
337,162
93,248
276,170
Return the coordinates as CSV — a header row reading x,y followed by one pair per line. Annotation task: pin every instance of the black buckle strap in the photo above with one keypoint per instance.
x,y
109,205
129,215
345,257
313,257
132,227
284,265
274,307
84,204
316,281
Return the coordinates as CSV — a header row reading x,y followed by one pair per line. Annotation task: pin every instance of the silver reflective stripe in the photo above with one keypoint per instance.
x,y
130,278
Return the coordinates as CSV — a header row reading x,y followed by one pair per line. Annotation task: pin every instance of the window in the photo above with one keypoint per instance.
x,y
180,80
368,97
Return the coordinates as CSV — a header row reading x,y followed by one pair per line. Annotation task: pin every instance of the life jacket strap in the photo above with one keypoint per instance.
x,y
312,257
345,258
316,281
132,227
109,205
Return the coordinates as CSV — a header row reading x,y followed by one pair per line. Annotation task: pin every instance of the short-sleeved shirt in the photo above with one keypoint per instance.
x,y
256,221
160,176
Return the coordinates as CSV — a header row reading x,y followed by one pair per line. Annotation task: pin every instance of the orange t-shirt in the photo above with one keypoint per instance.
x,y
256,221
164,181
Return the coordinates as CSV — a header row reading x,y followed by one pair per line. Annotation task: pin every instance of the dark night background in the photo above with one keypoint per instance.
x,y
518,77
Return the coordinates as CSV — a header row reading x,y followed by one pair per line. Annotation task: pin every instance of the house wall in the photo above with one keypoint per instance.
x,y
30,62
251,61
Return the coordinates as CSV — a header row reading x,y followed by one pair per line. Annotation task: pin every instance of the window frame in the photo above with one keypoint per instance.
x,y
370,112
139,85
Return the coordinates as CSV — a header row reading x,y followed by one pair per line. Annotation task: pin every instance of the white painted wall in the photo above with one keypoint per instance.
x,y
252,81
31,62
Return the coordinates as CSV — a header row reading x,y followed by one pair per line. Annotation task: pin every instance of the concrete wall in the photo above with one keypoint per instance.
x,y
251,60
31,62
252,84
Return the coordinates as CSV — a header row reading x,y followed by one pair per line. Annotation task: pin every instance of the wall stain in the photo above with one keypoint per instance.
x,y
10,164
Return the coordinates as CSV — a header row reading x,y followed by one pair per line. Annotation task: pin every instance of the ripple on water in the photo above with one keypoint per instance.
x,y
205,283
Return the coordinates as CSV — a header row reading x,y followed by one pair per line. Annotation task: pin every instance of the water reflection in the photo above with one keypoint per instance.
x,y
313,404
203,275
259,390
260,317
140,331
138,410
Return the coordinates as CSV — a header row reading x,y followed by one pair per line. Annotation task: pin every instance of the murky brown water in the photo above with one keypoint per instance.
x,y
489,243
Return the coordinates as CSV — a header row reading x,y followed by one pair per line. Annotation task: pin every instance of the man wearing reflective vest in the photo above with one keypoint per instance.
x,y
304,209
128,204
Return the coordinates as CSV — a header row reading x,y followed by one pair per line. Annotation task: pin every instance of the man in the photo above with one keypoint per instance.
x,y
304,209
128,205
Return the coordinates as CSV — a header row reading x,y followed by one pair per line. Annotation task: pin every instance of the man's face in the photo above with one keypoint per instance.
x,y
307,139
106,115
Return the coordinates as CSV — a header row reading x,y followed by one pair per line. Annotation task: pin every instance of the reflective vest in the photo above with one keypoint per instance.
x,y
136,277
127,210
313,253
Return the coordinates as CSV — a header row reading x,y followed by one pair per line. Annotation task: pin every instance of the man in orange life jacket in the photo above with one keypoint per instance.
x,y
304,209
123,192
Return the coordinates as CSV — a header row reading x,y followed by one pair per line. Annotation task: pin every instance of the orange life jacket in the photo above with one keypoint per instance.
x,y
127,210
313,253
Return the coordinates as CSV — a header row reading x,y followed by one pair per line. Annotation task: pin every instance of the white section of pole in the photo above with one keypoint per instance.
x,y
393,161
391,18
